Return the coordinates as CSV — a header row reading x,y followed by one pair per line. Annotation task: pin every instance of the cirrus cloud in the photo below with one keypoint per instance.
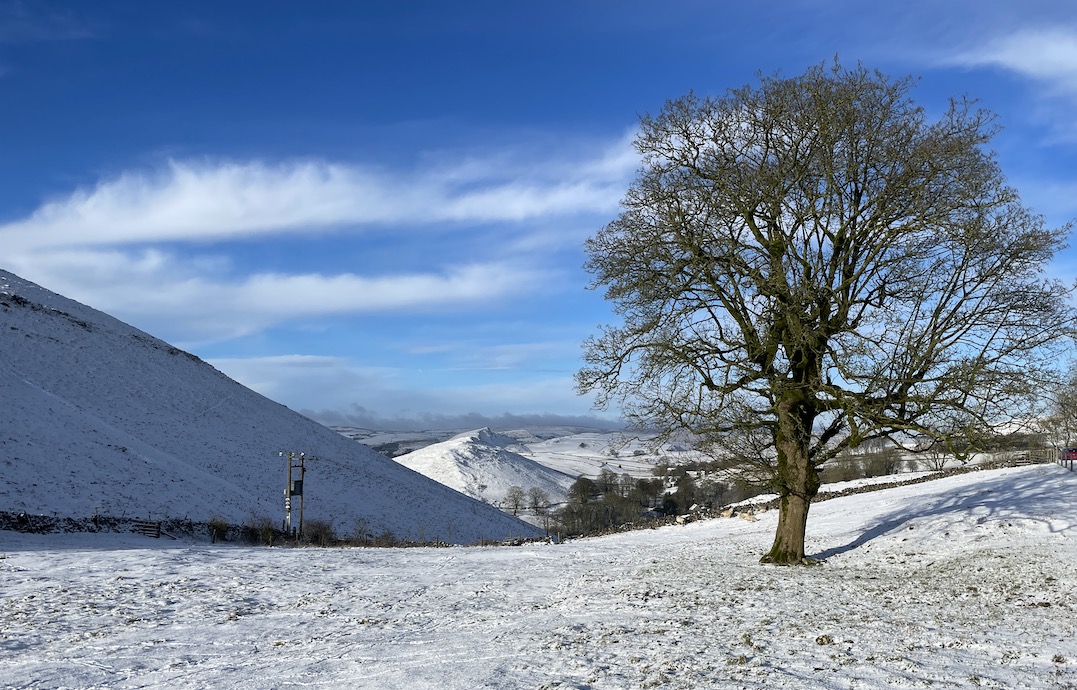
x,y
179,300
1047,55
166,248
218,200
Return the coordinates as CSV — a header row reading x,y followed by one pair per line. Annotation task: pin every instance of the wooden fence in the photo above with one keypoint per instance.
x,y
148,528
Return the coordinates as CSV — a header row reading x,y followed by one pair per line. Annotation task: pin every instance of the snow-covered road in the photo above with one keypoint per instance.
x,y
969,581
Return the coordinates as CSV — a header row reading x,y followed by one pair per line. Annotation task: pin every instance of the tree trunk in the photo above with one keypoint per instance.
x,y
797,480
788,548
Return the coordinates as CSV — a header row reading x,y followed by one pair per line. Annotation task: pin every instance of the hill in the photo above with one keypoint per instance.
x,y
101,418
482,465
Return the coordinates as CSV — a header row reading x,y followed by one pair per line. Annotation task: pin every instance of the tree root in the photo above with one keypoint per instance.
x,y
804,561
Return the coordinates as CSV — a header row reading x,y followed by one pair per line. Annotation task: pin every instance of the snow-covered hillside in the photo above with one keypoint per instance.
x,y
100,417
589,453
482,465
573,451
963,582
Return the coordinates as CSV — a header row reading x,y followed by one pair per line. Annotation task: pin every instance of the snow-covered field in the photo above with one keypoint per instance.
x,y
969,581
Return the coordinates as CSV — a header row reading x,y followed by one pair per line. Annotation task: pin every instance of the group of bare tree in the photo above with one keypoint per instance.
x,y
612,500
535,499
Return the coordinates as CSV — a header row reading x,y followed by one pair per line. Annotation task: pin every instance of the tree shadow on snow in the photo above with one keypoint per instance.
x,y
1047,497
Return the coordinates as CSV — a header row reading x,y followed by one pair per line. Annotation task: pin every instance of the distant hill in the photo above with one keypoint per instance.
x,y
393,443
100,417
399,441
482,465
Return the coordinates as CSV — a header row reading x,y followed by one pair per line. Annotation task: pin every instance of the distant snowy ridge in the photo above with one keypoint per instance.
x,y
103,418
481,464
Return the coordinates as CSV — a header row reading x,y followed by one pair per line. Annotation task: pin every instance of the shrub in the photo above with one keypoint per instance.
x,y
218,529
386,538
259,530
610,511
361,533
319,532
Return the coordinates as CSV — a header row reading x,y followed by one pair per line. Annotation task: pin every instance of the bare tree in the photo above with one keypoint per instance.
x,y
538,500
809,264
1060,424
514,498
935,456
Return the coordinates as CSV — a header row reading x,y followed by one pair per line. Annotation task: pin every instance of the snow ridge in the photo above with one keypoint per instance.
x,y
482,464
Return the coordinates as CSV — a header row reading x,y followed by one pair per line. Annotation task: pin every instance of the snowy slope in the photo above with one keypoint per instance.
x,y
963,582
589,453
100,417
480,464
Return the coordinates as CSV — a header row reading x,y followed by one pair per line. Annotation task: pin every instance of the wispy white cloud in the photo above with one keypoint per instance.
x,y
1047,55
192,302
338,391
301,380
516,355
363,418
1034,51
141,245
215,200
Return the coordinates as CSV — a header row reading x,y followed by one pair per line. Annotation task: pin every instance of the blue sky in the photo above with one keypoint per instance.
x,y
374,211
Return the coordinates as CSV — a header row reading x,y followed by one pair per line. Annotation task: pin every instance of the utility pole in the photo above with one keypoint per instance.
x,y
296,467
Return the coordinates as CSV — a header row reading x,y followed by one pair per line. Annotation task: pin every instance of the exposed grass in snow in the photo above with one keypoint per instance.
x,y
967,581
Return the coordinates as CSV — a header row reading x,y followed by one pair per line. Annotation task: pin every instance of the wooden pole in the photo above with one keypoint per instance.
x,y
302,476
